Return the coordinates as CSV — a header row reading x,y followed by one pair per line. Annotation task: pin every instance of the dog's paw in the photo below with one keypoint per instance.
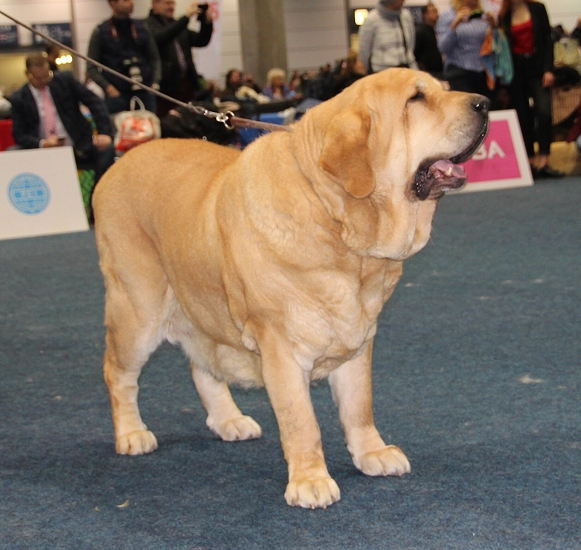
x,y
139,442
389,461
312,493
236,429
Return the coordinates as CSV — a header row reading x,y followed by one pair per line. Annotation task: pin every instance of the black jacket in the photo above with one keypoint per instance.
x,y
66,92
164,32
121,45
543,56
426,52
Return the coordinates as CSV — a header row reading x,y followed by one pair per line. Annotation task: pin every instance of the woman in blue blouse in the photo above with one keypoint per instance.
x,y
461,31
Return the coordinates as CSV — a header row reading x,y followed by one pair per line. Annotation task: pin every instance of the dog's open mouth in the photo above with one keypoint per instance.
x,y
435,177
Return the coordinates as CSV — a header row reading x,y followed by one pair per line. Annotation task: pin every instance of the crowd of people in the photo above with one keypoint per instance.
x,y
157,52
450,46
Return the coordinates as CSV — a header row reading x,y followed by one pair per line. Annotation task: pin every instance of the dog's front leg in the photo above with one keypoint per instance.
x,y
310,484
352,391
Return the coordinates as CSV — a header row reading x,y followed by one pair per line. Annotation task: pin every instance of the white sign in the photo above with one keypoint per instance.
x,y
40,193
501,161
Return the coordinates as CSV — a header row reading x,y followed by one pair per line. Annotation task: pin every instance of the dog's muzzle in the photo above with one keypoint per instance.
x,y
435,177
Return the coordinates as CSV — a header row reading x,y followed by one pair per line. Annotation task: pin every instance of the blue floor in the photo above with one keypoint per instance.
x,y
477,377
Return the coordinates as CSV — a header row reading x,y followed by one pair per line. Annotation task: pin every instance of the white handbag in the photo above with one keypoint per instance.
x,y
134,127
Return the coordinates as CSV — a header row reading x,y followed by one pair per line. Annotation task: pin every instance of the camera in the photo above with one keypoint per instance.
x,y
477,14
203,10
133,70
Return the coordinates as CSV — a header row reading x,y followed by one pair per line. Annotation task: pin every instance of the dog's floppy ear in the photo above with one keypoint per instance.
x,y
345,154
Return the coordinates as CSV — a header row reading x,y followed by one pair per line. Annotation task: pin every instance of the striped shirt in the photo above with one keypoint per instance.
x,y
461,47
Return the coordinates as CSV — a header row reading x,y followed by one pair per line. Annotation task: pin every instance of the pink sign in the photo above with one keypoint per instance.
x,y
501,161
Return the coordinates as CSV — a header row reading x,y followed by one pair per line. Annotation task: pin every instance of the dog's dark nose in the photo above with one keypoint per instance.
x,y
481,104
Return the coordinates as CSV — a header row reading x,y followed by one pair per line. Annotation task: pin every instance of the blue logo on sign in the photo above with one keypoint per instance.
x,y
29,193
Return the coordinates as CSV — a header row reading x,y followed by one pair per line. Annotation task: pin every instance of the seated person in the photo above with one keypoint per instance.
x,y
239,87
46,113
275,88
234,81
53,52
349,70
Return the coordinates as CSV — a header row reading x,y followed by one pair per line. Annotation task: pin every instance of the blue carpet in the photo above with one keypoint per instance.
x,y
477,378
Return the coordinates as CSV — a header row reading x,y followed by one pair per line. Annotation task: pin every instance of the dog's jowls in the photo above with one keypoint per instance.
x,y
270,267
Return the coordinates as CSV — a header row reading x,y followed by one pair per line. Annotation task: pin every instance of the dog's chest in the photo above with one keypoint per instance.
x,y
338,325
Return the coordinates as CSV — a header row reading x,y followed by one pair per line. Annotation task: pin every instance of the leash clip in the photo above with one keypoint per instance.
x,y
225,119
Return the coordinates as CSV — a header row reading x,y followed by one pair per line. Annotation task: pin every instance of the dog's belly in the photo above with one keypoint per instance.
x,y
221,353
321,340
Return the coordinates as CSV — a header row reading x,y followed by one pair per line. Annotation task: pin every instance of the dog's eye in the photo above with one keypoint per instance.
x,y
418,96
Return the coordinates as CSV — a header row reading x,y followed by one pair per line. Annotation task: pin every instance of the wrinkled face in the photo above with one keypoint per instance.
x,y
277,81
390,145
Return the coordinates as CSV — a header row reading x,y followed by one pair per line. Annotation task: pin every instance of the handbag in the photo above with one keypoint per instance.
x,y
497,58
134,127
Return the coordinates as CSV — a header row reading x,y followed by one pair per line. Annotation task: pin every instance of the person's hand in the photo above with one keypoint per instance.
x,y
111,91
490,19
52,141
192,10
102,141
462,16
548,79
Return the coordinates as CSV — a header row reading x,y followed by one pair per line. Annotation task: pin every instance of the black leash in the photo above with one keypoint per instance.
x,y
228,119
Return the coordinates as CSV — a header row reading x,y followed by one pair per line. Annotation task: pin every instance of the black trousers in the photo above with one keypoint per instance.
x,y
463,80
532,103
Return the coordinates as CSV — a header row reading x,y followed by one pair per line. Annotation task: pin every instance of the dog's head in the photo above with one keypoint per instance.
x,y
382,153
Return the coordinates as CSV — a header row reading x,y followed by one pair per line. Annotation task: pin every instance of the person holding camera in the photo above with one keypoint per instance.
x,y
461,31
127,46
179,77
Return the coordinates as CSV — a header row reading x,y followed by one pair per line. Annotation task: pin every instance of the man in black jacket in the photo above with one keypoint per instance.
x,y
179,77
125,45
426,51
46,113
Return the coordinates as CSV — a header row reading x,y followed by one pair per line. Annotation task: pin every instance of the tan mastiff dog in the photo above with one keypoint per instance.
x,y
270,266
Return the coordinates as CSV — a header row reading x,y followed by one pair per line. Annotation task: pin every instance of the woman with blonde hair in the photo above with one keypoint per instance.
x,y
275,87
528,30
461,31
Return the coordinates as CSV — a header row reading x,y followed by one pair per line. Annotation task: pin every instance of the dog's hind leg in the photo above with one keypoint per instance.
x,y
135,312
224,417
129,343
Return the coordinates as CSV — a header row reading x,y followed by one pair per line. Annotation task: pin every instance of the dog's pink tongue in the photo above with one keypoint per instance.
x,y
448,169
